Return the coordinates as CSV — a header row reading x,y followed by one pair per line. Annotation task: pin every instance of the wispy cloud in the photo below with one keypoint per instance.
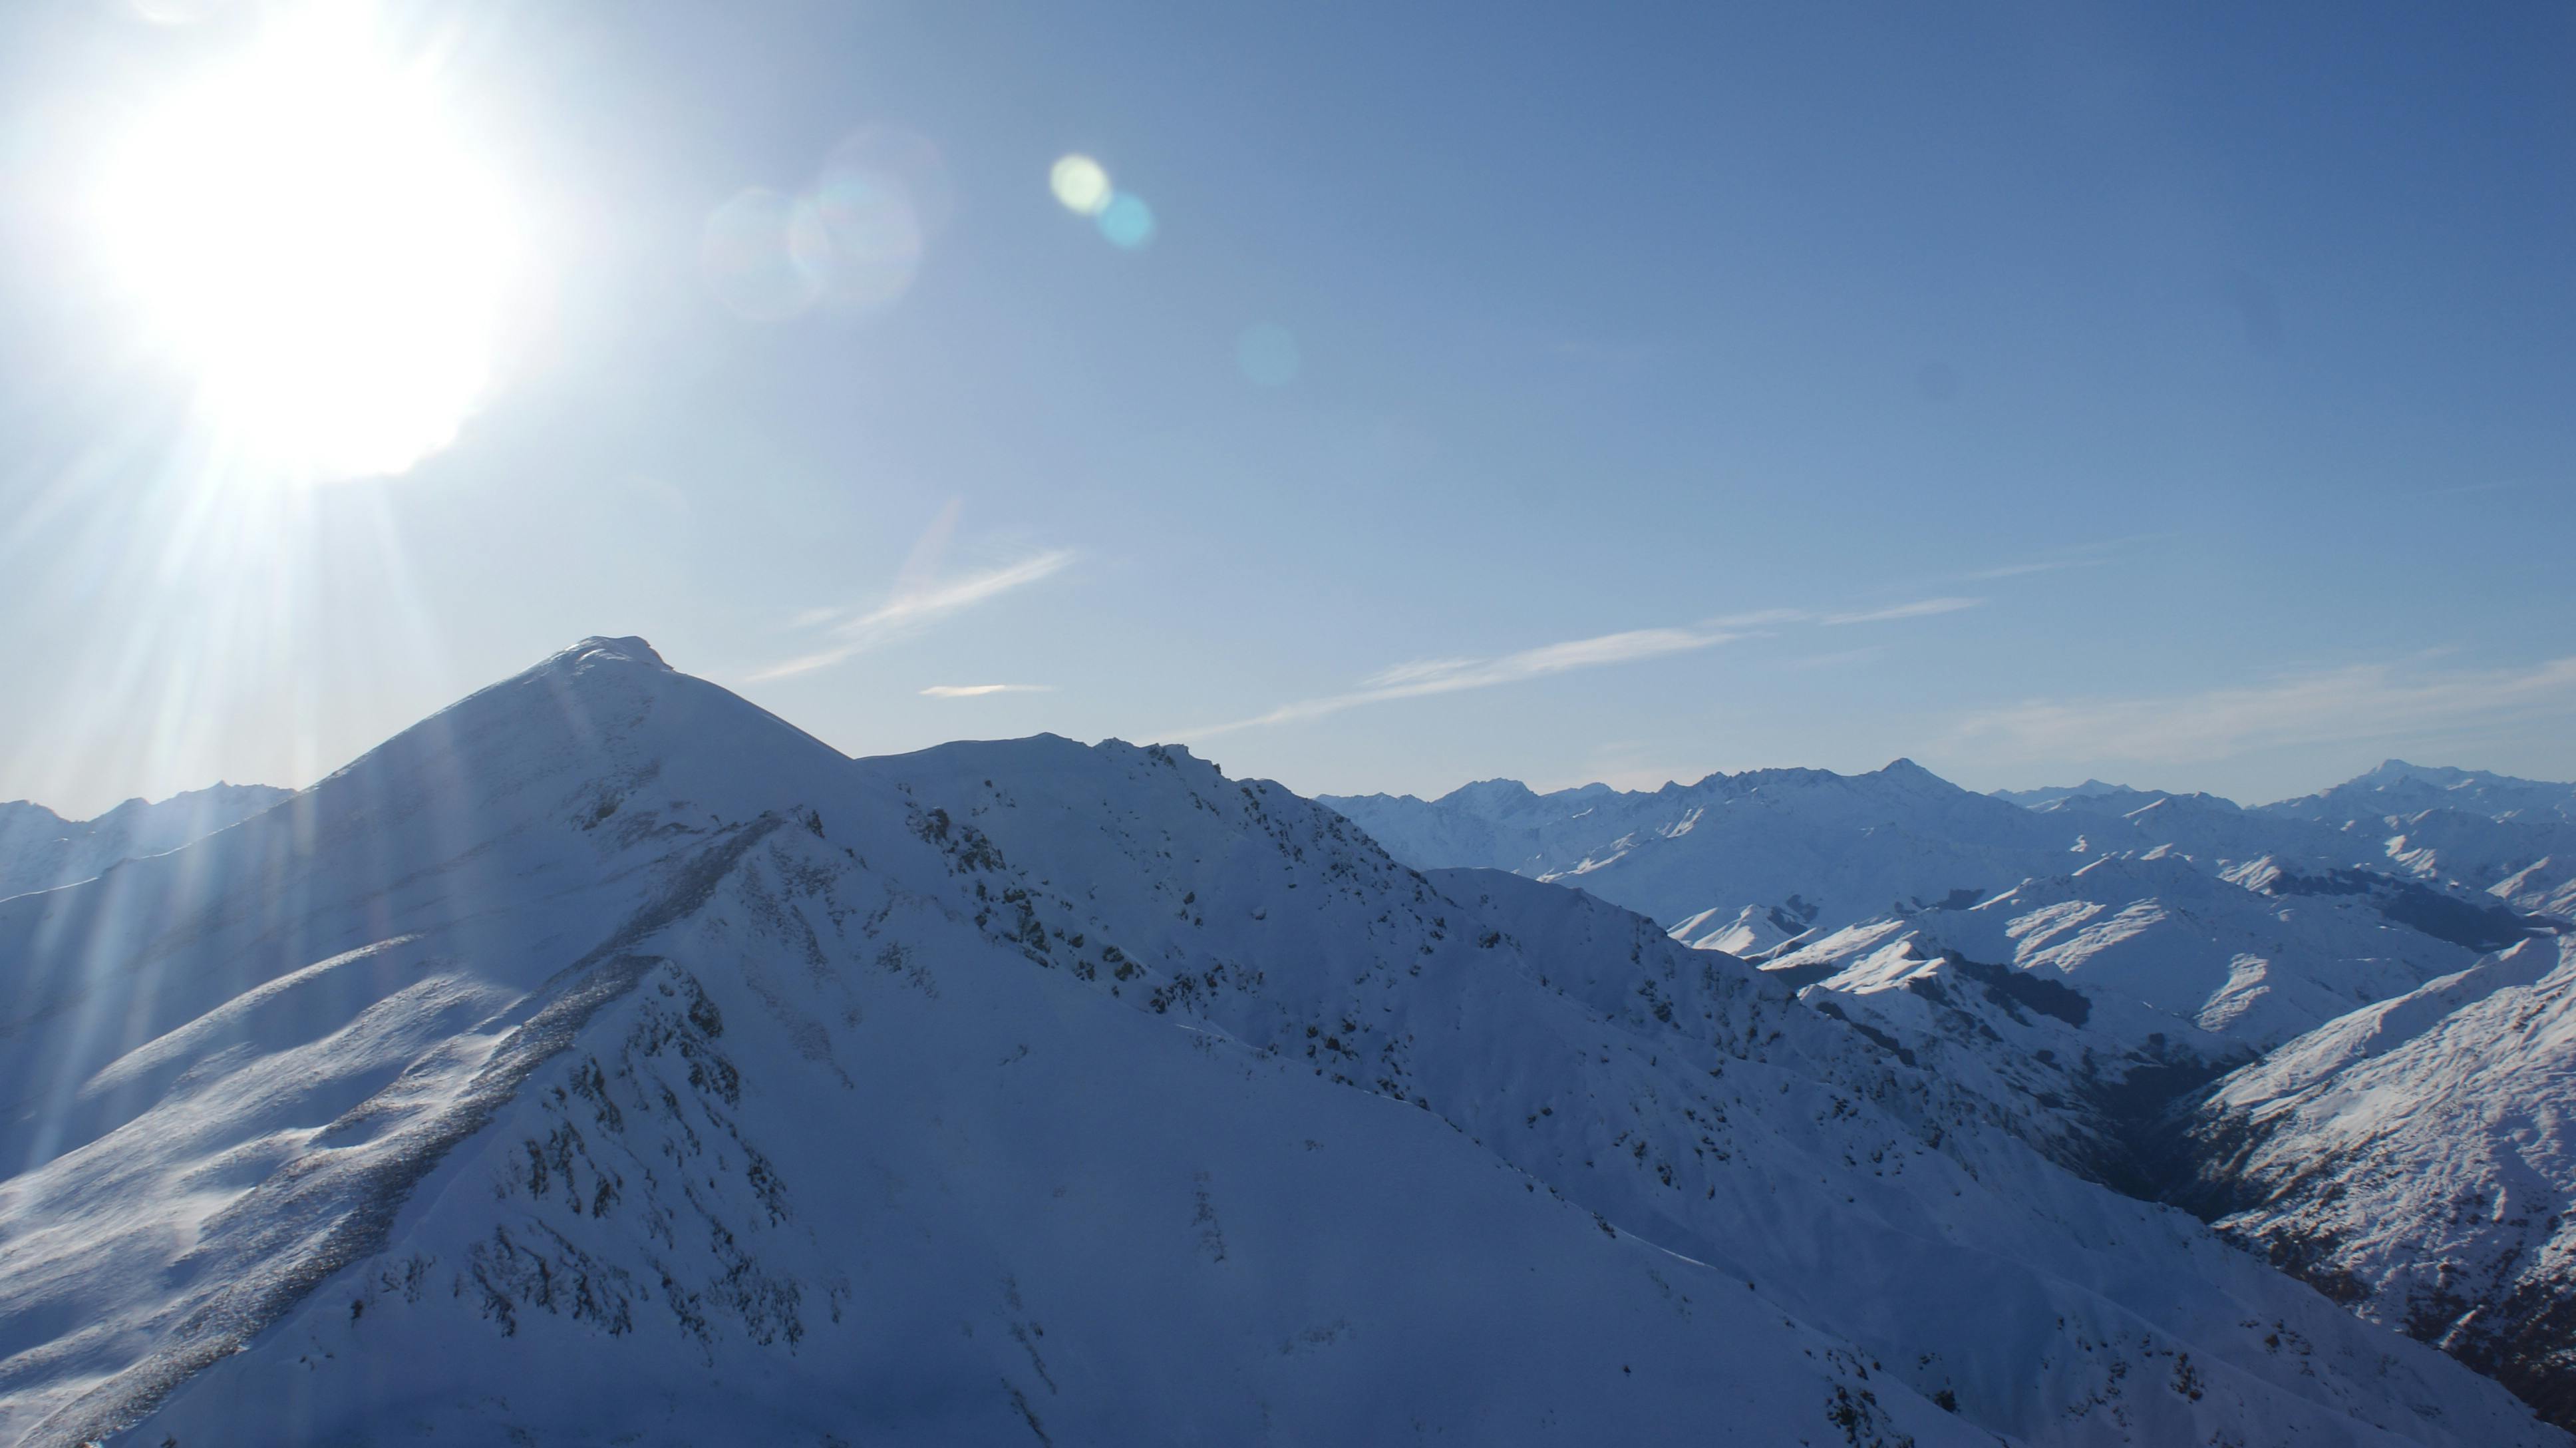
x,y
921,596
977,691
1418,669
1760,618
2024,570
1920,608
2360,702
1418,677
1449,676
906,612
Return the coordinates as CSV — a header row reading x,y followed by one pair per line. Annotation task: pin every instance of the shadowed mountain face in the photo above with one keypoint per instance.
x,y
603,1060
2417,1159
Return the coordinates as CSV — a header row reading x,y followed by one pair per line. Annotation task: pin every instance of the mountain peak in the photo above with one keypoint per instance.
x,y
2044,798
2398,769
2400,788
1490,793
604,950
2443,776
599,648
1907,772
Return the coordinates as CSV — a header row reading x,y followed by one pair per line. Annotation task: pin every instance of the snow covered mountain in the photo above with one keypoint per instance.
x,y
2095,996
40,849
2528,864
1766,860
2089,789
2398,788
603,1060
1803,848
2417,1159
2513,838
2088,960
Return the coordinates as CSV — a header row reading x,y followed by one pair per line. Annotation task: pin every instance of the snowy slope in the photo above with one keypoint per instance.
x,y
2528,864
603,1060
2196,932
2160,946
2215,930
2417,1158
2094,995
1652,1141
625,1099
2084,961
2512,838
2546,886
40,850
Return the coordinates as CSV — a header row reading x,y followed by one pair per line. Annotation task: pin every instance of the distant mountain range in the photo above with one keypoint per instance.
x,y
603,1060
2378,965
2089,789
1853,846
40,850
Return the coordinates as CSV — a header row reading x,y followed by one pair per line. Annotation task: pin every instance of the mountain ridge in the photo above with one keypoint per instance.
x,y
607,1040
40,850
2096,962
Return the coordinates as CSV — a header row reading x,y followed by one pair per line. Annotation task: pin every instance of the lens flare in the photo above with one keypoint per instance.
x,y
1080,183
1127,221
763,255
852,242
871,241
304,233
901,159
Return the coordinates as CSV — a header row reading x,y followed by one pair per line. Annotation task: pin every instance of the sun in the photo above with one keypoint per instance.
x,y
302,230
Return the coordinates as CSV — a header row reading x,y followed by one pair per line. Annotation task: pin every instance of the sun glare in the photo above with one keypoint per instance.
x,y
303,232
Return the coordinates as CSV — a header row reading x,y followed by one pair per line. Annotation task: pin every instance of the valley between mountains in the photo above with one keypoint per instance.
x,y
603,1060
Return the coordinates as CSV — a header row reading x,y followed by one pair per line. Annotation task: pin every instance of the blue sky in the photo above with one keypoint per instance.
x,y
2181,396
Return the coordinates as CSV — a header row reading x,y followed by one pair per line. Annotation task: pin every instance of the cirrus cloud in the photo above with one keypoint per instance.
x,y
977,691
1920,608
921,595
1449,676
